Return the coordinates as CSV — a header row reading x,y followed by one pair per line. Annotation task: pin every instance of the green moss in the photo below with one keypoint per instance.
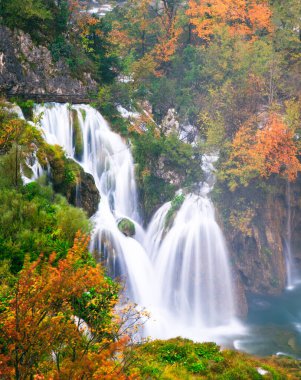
x,y
183,359
176,204
78,139
84,113
266,251
127,227
33,219
274,282
64,172
154,192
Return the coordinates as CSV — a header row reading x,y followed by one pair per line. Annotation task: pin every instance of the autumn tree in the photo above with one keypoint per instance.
x,y
262,152
150,30
58,322
243,18
169,30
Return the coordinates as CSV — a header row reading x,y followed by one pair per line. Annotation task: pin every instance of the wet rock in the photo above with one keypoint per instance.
x,y
127,227
259,257
69,179
85,194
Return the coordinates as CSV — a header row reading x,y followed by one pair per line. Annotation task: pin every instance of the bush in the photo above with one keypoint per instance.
x,y
34,220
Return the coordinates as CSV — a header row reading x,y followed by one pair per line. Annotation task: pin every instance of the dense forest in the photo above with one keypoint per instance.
x,y
179,82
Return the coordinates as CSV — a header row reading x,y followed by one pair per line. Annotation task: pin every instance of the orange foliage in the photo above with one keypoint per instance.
x,y
266,151
42,336
81,21
241,17
167,43
153,31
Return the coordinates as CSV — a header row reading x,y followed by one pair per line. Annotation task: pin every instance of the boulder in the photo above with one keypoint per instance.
x,y
127,227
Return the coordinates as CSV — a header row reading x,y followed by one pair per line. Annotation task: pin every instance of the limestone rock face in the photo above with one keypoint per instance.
x,y
166,173
260,258
27,69
170,123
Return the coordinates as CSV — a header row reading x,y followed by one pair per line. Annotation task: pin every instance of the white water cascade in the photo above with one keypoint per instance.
x,y
181,274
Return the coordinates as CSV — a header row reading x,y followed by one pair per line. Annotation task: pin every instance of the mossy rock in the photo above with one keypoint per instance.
x,y
69,179
127,227
78,140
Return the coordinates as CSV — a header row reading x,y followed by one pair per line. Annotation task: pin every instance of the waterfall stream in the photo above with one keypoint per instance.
x,y
292,275
181,274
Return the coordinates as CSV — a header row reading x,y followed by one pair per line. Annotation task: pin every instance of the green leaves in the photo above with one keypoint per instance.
x,y
34,220
29,15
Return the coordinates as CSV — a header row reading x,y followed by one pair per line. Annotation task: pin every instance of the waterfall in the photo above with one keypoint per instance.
x,y
192,266
291,272
180,273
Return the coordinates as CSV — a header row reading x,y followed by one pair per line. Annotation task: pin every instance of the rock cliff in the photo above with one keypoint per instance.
x,y
29,70
260,255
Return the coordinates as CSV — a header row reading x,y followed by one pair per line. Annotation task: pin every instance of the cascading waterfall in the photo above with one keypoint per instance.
x,y
192,266
181,274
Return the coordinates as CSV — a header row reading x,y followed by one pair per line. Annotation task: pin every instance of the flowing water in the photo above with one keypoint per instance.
x,y
292,274
181,273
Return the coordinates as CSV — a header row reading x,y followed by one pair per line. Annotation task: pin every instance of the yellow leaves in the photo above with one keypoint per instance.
x,y
167,45
150,30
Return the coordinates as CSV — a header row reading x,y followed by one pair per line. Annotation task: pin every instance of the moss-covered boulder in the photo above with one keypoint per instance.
x,y
127,227
69,179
